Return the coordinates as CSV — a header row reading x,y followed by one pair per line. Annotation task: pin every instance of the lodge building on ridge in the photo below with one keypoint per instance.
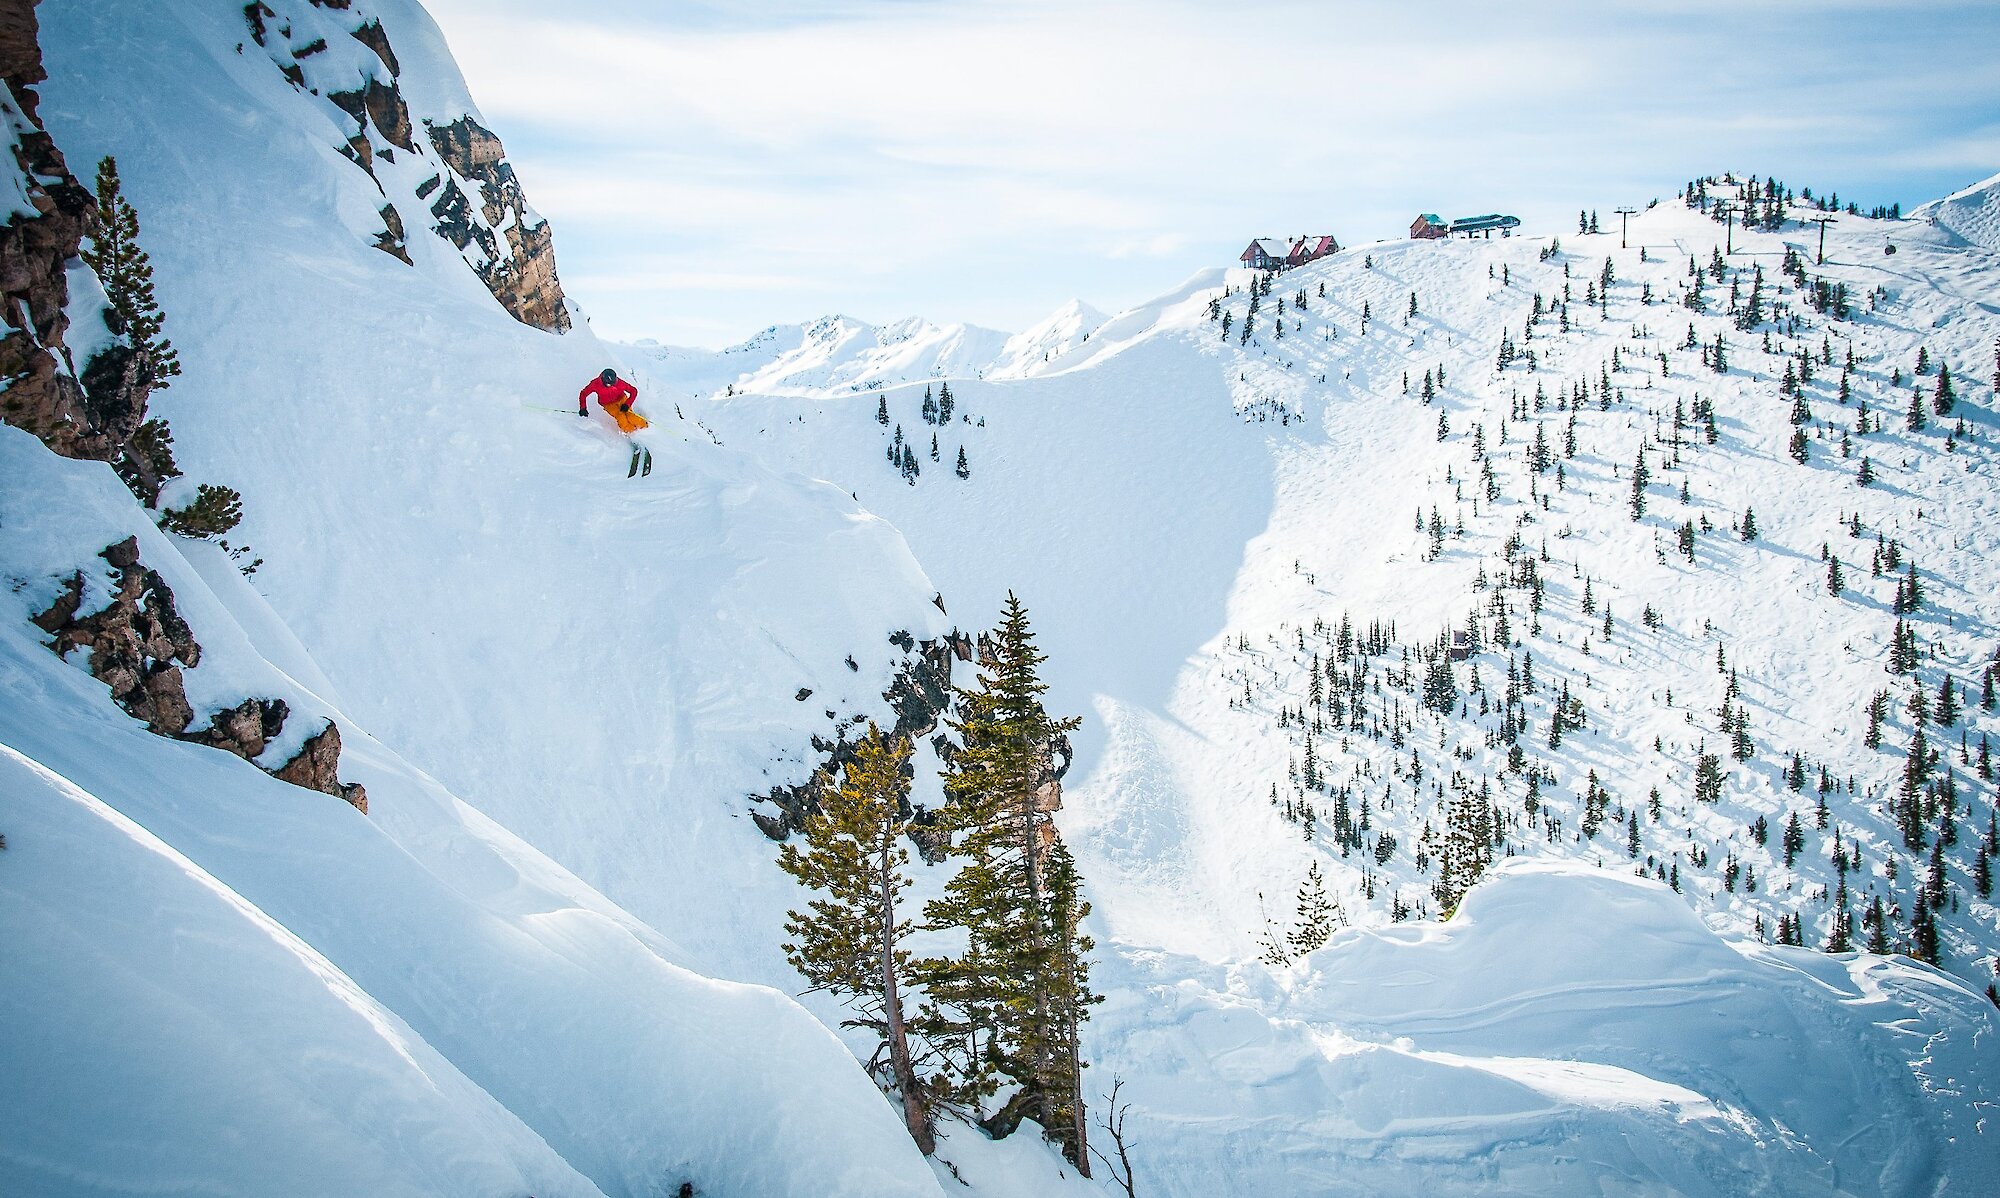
x,y
1283,253
1428,227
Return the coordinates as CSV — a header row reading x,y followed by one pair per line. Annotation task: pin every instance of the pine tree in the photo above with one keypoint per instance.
x,y
1795,840
1836,581
1840,936
1909,799
848,941
1641,475
1866,475
1466,851
1924,934
1748,529
882,411
1708,778
127,275
1877,922
1800,448
1315,914
213,512
1440,687
1072,1000
944,403
962,470
1947,711
1008,983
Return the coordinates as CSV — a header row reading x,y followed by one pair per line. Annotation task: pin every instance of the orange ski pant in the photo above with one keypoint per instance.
x,y
628,420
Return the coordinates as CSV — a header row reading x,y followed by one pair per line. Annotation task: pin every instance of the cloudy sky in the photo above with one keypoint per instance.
x,y
713,168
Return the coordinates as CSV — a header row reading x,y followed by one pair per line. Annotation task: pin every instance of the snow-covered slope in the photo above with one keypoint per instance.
x,y
1184,508
831,355
1570,1031
221,982
1973,214
1190,517
509,633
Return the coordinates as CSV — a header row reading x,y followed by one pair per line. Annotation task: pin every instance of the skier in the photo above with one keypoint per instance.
x,y
616,397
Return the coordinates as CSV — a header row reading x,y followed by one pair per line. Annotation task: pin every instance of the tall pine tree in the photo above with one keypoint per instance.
x,y
127,275
847,941
1016,986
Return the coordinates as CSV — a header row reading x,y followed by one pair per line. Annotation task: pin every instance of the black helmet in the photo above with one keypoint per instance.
x,y
609,376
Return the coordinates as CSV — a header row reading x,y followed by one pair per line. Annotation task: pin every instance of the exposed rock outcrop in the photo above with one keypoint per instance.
x,y
919,695
317,767
382,105
138,646
95,415
137,643
521,274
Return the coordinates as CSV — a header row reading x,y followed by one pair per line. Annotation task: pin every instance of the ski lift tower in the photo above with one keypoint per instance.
x,y
1822,222
1624,216
1728,211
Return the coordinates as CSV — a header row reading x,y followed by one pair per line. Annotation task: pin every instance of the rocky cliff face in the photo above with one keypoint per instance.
x,y
475,199
92,412
518,264
138,645
919,695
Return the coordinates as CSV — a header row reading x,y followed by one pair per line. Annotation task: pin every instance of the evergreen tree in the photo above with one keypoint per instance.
x,y
1924,934
1072,1000
1909,799
944,403
1315,920
1800,448
882,411
1866,475
1009,982
848,941
1835,580
1748,529
1440,687
1840,936
1944,399
213,511
962,470
1465,853
127,275
1877,922
1708,778
1641,475
1795,840
1947,710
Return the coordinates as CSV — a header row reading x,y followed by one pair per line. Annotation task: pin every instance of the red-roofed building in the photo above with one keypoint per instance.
x,y
1279,253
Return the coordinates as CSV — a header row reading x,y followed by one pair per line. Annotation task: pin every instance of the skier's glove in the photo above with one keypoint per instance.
x,y
583,413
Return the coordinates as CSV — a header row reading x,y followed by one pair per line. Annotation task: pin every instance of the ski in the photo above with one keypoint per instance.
x,y
647,467
633,469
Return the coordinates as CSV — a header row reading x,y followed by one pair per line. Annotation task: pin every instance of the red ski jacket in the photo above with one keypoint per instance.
x,y
620,392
